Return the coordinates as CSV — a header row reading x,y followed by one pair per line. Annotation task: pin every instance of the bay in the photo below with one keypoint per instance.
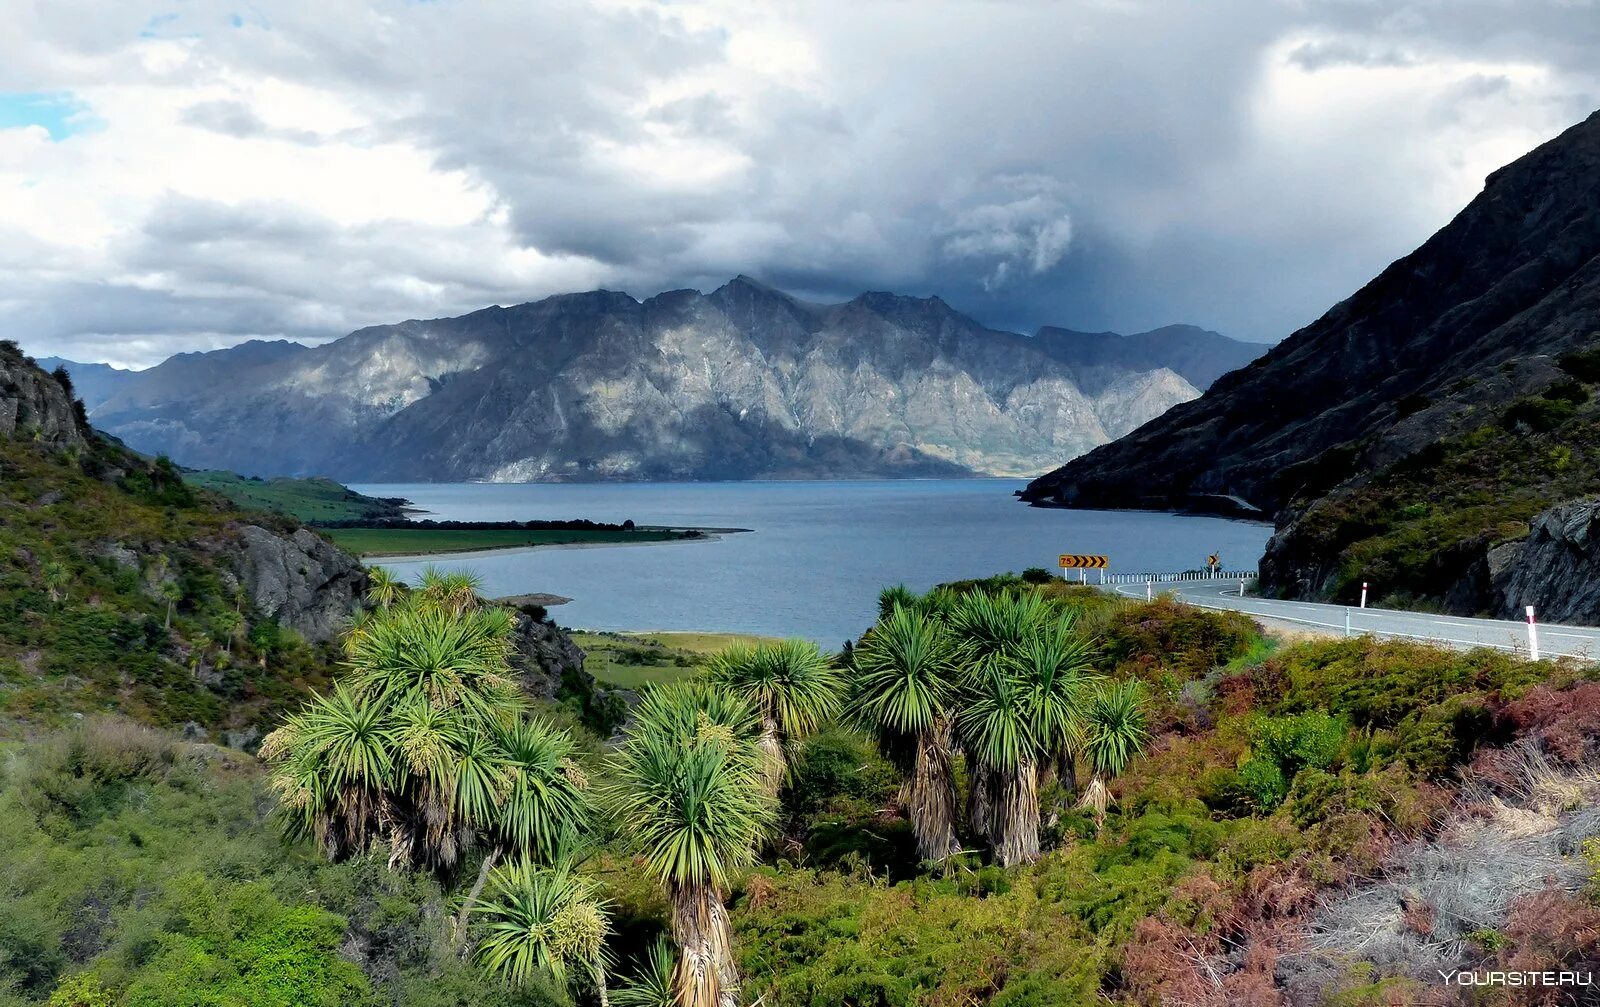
x,y
815,557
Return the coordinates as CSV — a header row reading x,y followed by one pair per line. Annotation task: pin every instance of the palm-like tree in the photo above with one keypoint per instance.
x,y
989,633
383,587
1057,668
173,594
333,763
793,688
903,690
56,580
689,793
230,624
462,763
543,921
1116,729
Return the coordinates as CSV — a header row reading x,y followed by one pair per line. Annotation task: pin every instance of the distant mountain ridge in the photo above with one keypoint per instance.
x,y
743,382
93,383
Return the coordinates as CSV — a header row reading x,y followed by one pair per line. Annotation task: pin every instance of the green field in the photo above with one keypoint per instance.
x,y
311,500
424,541
631,660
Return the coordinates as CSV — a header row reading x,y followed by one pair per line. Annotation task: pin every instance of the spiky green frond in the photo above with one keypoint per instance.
x,y
903,673
987,629
687,786
454,591
652,987
893,597
548,921
546,797
450,659
993,722
1116,727
384,588
1056,667
789,681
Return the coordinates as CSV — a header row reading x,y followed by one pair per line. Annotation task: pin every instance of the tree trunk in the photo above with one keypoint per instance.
x,y
930,795
705,974
774,765
1016,815
169,616
981,787
1067,772
472,900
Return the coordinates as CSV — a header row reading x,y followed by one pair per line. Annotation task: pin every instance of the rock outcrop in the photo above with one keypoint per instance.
x,y
739,383
1556,568
34,405
543,656
297,578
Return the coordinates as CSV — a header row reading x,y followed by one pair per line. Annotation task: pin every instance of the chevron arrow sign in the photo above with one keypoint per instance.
x,y
1071,562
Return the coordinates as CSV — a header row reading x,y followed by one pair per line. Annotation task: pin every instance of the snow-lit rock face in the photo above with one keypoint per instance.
x,y
744,382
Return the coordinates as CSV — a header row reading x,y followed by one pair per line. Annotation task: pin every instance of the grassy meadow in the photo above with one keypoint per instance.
x,y
376,542
312,500
634,660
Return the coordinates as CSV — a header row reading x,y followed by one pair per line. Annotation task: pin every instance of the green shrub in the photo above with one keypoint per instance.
x,y
1538,414
1582,364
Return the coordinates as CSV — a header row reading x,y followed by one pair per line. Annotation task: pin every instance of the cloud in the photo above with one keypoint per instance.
x,y
1241,165
1029,232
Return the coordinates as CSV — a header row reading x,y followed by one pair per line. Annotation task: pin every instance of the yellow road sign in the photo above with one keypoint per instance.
x,y
1213,560
1072,562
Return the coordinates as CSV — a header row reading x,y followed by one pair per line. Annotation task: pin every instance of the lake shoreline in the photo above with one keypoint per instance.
x,y
705,535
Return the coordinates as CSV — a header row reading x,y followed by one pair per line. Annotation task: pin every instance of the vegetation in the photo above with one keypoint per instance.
x,y
115,597
314,501
633,660
1417,528
407,541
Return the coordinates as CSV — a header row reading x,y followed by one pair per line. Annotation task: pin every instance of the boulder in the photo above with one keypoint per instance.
x,y
1556,568
542,654
299,579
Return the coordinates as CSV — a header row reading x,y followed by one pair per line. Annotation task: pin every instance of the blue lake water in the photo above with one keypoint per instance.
x,y
816,557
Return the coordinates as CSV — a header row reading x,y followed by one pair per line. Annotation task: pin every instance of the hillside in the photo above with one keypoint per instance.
x,y
312,500
125,588
1419,426
740,383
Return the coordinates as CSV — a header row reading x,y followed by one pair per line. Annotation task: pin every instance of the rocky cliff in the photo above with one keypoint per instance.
x,y
34,405
743,382
1419,433
1515,274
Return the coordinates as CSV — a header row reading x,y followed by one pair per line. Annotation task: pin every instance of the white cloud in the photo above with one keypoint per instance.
x,y
333,164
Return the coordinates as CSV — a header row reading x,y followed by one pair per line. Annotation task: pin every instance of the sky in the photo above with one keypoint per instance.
x,y
187,174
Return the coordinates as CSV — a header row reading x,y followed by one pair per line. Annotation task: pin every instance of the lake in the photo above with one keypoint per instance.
x,y
816,556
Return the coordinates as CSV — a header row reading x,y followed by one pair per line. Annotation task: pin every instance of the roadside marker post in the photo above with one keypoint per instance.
x,y
1149,589
1347,620
1363,594
1533,636
1241,587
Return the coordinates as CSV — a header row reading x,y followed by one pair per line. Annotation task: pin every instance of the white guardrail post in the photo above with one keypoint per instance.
x,y
1533,636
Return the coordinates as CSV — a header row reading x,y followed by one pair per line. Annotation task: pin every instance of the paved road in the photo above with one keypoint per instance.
x,y
1554,640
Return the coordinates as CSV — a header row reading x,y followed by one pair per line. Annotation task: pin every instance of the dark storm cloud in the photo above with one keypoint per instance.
x,y
1112,164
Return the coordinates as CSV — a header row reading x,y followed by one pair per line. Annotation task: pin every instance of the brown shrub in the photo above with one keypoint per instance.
x,y
1565,721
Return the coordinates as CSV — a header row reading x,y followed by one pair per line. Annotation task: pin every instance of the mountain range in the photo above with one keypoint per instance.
x,y
1430,432
743,382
